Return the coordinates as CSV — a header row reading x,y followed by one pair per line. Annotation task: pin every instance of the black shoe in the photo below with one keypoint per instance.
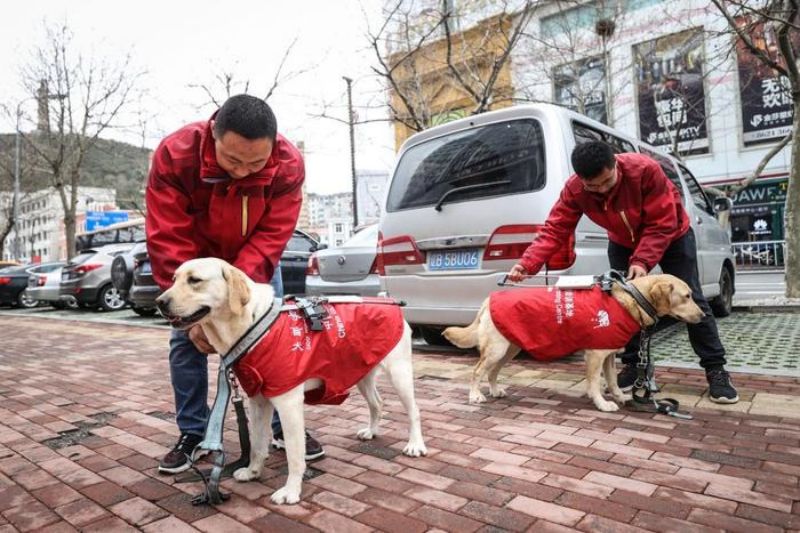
x,y
177,460
313,448
627,377
720,388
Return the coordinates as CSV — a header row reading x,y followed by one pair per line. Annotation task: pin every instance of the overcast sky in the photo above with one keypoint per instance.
x,y
184,43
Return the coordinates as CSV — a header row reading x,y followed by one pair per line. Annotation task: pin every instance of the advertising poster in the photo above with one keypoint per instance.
x,y
581,86
670,92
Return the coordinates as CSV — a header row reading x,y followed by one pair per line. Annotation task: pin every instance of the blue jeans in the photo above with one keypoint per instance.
x,y
188,368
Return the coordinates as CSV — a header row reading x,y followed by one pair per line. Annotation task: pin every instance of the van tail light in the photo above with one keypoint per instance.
x,y
85,269
564,256
374,268
510,242
400,250
312,269
41,280
5,280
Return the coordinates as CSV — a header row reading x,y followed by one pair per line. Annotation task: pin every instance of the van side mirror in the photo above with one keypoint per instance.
x,y
319,246
722,204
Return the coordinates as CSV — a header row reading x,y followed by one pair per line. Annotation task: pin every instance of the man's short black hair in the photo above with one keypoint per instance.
x,y
591,158
250,117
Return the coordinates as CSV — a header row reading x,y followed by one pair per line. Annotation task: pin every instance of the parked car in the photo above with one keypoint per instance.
x,y
13,282
467,198
348,269
87,278
132,276
44,284
4,263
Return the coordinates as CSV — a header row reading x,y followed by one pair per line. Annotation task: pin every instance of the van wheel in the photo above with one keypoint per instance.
x,y
110,299
433,336
722,305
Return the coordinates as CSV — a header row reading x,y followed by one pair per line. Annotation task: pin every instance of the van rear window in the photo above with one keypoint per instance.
x,y
492,160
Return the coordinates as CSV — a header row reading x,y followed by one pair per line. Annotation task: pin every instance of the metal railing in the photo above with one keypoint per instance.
x,y
759,254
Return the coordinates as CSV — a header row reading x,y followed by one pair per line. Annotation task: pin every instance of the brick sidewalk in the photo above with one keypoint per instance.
x,y
85,412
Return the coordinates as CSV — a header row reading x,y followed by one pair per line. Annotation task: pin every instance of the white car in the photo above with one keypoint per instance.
x,y
349,269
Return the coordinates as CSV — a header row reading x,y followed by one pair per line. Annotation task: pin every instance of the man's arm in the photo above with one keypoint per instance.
x,y
659,218
170,230
259,257
561,223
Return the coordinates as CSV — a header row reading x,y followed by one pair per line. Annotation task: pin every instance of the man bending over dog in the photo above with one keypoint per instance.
x,y
630,196
228,187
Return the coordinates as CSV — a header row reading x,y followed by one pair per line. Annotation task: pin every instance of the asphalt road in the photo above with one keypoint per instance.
x,y
751,285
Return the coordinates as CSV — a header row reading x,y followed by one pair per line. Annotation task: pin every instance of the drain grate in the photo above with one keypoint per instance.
x,y
84,430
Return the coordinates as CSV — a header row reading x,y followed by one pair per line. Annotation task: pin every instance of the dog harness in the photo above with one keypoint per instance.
x,y
550,323
352,339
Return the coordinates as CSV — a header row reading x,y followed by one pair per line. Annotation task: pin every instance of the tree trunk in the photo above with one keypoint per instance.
x,y
792,213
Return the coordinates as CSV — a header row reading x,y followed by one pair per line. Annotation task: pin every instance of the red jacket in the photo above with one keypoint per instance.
x,y
550,323
194,209
643,212
356,338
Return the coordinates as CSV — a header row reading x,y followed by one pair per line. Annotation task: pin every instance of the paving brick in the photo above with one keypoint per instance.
x,y
503,519
392,522
445,519
30,516
138,512
81,512
336,484
220,522
34,479
151,489
168,525
669,480
598,524
664,524
58,527
769,501
56,495
473,491
380,481
437,498
14,496
537,491
601,466
549,511
274,522
180,505
519,472
729,523
665,507
601,507
336,503
696,500
768,516
109,525
106,493
425,478
392,502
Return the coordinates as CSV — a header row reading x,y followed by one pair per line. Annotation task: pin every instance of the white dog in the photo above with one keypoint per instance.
x,y
583,330
222,299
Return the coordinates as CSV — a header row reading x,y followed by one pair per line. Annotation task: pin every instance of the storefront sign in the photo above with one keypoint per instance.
x,y
581,86
671,93
762,193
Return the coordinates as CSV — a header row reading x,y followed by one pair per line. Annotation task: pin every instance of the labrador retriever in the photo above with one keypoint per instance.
x,y
225,302
667,294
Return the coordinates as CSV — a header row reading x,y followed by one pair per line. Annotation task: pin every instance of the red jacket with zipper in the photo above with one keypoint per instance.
x,y
643,212
194,209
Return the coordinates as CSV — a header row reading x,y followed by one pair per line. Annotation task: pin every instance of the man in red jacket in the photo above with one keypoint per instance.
x,y
630,196
229,187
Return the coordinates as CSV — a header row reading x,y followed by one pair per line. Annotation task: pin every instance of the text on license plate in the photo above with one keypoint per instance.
x,y
461,259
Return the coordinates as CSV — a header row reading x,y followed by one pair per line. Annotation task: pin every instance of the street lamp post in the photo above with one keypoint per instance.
x,y
17,149
351,121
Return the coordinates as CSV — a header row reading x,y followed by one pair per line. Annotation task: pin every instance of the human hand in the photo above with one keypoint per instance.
x,y
199,339
636,271
517,273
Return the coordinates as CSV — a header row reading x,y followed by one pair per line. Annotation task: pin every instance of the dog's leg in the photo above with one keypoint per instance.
x,y
290,409
398,365
370,393
492,352
260,437
610,371
496,390
594,368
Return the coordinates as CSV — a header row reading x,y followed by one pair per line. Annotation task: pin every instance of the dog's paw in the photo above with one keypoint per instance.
x,y
285,496
477,398
606,406
365,434
246,474
498,392
622,399
415,449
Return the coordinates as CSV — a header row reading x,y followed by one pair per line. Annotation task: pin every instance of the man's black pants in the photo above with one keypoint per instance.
x,y
680,260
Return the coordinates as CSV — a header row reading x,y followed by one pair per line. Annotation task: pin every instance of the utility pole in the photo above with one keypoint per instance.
x,y
351,123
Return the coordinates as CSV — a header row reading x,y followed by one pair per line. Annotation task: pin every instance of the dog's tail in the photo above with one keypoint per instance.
x,y
466,337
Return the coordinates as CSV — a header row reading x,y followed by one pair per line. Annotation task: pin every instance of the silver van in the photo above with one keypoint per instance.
x,y
467,198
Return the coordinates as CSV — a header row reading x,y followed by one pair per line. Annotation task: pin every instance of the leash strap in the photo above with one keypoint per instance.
x,y
212,440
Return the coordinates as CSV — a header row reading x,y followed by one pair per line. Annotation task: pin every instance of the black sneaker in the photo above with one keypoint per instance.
x,y
313,448
177,460
627,377
720,388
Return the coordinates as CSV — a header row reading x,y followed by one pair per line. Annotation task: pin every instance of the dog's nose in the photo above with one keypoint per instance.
x,y
162,304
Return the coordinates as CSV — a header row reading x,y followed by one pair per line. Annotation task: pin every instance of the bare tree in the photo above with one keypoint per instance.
x,y
80,98
782,15
437,64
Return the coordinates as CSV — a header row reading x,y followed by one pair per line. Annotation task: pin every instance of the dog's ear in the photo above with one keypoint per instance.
x,y
661,296
238,291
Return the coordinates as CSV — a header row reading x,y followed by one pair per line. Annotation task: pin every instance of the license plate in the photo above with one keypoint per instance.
x,y
461,259
64,276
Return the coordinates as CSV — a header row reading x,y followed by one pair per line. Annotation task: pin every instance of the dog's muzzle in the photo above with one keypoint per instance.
x,y
185,322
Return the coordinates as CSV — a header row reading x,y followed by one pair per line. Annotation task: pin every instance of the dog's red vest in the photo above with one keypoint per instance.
x,y
356,337
549,323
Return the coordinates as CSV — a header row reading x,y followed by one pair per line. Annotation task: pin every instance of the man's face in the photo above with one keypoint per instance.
x,y
241,157
603,182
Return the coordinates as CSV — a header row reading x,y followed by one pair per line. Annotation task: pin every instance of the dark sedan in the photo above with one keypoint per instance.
x,y
13,282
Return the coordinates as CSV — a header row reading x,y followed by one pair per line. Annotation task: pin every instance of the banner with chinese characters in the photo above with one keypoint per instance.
x,y
670,92
581,86
765,95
